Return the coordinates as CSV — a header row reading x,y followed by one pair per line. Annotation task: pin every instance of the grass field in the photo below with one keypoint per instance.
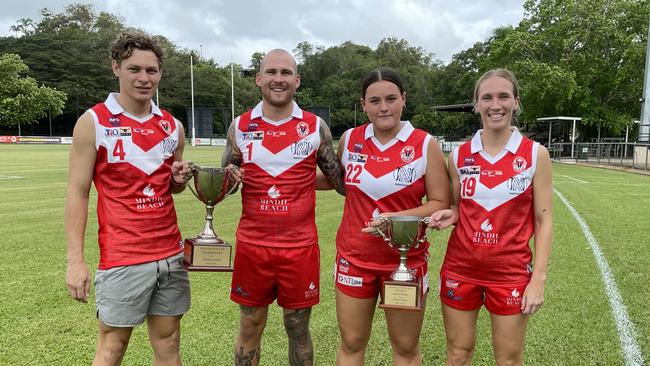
x,y
41,325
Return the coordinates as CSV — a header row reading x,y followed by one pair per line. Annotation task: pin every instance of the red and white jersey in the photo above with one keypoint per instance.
x,y
278,188
490,243
135,209
380,178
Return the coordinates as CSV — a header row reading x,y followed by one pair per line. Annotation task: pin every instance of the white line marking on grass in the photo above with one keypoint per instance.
x,y
576,179
10,177
630,347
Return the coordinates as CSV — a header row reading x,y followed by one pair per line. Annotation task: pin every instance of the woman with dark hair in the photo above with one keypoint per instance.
x,y
502,195
390,167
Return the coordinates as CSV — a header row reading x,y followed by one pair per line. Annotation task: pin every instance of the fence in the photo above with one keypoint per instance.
x,y
625,155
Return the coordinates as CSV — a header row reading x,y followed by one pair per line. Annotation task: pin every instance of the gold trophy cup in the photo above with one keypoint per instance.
x,y
207,252
402,291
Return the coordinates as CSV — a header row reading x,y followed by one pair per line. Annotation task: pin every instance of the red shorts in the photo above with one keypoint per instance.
x,y
499,299
363,283
263,274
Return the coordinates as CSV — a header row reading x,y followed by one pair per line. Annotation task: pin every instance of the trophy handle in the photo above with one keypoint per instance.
x,y
234,187
383,235
192,189
427,231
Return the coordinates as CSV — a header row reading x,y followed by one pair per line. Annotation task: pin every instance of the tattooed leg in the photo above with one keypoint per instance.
x,y
301,349
248,346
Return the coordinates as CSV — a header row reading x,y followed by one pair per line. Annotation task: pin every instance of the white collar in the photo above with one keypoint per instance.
x,y
115,108
402,135
512,145
259,112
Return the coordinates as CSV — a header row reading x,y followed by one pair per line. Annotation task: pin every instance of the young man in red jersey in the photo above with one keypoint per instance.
x,y
278,145
132,151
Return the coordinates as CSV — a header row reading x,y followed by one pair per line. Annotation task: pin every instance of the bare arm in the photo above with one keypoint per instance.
x,y
81,167
446,217
543,205
232,154
328,162
181,169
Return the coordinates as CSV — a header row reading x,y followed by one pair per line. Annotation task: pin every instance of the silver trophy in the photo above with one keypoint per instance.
x,y
403,233
206,251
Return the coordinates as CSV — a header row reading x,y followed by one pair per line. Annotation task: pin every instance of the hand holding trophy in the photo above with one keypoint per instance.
x,y
208,252
403,232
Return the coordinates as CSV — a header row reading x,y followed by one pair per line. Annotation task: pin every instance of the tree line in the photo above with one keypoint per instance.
x,y
581,58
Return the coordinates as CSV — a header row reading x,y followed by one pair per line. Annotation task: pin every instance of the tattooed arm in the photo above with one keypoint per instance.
x,y
231,154
329,163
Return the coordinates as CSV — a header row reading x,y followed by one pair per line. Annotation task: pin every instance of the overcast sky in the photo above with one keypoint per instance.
x,y
235,29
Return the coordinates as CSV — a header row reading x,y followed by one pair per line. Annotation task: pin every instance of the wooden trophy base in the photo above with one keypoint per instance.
x,y
401,295
211,257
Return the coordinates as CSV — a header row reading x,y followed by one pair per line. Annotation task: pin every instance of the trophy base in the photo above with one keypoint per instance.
x,y
200,255
401,295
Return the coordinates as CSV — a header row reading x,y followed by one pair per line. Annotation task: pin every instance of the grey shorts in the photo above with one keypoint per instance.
x,y
126,295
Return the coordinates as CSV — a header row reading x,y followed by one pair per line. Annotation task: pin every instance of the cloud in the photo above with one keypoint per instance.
x,y
227,29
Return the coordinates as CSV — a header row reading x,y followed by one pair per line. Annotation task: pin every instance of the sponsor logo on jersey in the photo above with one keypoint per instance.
x,y
168,146
252,126
491,173
468,161
165,125
301,149
407,154
148,191
273,205
486,226
517,184
312,291
253,136
344,265
303,129
358,147
357,158
273,192
276,133
514,299
112,132
379,159
114,121
143,131
486,236
349,280
404,175
149,202
119,131
470,170
519,164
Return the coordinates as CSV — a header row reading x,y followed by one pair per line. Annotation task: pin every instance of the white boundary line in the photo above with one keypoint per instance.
x,y
629,346
576,179
10,177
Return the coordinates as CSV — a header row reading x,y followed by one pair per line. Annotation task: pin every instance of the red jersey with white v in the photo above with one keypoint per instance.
x,y
496,218
278,190
379,179
135,209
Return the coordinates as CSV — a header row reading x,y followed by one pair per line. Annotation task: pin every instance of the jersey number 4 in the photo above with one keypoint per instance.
x,y
118,150
468,187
